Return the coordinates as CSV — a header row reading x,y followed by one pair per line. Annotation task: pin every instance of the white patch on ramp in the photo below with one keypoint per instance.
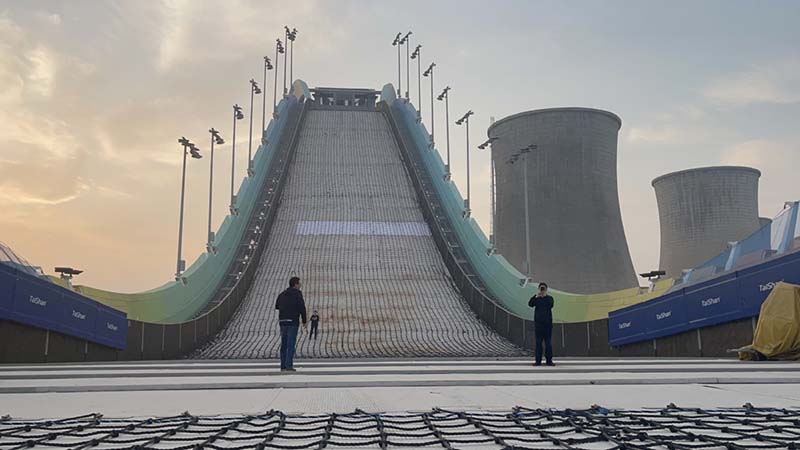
x,y
307,228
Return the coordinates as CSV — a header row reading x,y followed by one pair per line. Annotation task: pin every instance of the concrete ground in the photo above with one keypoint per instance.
x,y
235,387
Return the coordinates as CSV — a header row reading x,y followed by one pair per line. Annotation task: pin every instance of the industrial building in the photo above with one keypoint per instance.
x,y
701,210
576,240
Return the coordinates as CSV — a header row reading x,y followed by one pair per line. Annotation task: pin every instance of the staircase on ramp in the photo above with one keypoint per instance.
x,y
350,226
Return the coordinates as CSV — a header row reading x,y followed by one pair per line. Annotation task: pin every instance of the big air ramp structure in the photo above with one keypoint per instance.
x,y
350,226
350,196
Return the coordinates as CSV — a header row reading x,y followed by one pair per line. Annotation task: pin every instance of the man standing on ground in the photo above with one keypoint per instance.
x,y
291,307
543,324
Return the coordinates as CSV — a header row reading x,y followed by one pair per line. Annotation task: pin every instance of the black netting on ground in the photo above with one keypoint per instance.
x,y
522,428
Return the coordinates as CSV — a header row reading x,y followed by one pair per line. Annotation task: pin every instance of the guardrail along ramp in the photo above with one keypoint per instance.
x,y
349,225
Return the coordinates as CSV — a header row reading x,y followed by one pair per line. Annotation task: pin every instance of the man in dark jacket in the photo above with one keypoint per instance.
x,y
543,324
291,307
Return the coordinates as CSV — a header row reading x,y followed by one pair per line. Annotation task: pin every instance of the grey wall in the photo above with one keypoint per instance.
x,y
701,210
577,239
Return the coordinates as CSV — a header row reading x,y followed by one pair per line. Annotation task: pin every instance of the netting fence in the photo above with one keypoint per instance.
x,y
672,427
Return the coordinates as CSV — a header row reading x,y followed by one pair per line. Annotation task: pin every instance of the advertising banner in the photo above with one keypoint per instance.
x,y
713,304
8,281
732,296
111,327
78,315
36,303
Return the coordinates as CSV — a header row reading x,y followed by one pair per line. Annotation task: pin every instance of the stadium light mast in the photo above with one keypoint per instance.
x,y
406,40
521,156
237,115
396,43
464,120
254,90
445,95
416,55
188,148
267,66
215,139
429,73
292,37
286,32
491,185
279,50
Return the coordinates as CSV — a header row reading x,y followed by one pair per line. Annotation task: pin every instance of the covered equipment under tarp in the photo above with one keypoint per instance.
x,y
777,335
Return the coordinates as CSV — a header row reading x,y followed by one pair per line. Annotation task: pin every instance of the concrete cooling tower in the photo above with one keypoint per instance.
x,y
701,210
577,238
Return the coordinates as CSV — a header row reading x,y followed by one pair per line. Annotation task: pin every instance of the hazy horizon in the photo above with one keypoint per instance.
x,y
93,96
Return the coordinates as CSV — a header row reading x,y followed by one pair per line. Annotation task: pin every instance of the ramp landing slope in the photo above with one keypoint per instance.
x,y
349,225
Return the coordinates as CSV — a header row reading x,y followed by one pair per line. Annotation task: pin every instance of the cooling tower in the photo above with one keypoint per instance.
x,y
701,210
577,239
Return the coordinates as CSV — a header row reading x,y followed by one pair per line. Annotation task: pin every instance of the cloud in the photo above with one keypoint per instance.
x,y
666,133
759,153
48,18
195,33
775,160
778,82
42,73
16,196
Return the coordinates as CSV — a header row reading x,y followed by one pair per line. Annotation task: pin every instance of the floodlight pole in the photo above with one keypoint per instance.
x,y
445,95
527,217
293,36
253,89
209,244
465,120
236,112
278,51
397,44
285,54
267,66
429,71
417,55
467,205
407,39
179,266
522,156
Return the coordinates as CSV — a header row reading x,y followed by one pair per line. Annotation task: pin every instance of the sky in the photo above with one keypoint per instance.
x,y
95,94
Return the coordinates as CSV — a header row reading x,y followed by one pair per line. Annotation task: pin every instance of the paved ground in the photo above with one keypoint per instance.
x,y
236,387
349,225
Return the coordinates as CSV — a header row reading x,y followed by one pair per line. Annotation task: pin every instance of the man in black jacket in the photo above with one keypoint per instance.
x,y
291,307
543,324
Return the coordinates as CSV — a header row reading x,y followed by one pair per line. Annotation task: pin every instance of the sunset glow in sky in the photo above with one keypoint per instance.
x,y
94,94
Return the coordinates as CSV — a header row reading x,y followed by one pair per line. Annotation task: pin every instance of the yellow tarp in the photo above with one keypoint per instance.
x,y
778,331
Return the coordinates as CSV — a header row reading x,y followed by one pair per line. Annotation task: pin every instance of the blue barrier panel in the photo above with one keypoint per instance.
x,y
723,299
627,325
713,304
8,282
78,315
38,304
30,300
666,315
111,327
756,283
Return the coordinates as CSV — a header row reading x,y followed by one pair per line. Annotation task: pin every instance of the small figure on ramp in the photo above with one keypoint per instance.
x,y
314,325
